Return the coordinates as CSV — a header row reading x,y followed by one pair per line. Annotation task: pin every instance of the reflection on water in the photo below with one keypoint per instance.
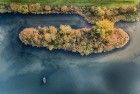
x,y
22,68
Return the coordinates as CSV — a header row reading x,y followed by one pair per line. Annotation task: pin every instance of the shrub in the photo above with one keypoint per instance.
x,y
2,8
47,8
23,9
115,11
14,7
65,29
65,9
47,37
92,9
35,7
99,11
109,13
73,8
104,27
56,8
131,9
53,29
125,9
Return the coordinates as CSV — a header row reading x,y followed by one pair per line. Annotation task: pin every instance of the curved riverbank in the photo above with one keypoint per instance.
x,y
90,13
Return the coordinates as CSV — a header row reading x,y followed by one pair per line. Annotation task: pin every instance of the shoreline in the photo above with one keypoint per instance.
x,y
116,40
93,13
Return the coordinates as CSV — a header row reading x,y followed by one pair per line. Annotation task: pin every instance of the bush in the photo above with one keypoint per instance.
x,y
109,13
125,9
98,11
92,9
131,9
2,8
57,8
115,11
23,9
73,8
64,9
104,27
35,7
65,29
47,8
14,7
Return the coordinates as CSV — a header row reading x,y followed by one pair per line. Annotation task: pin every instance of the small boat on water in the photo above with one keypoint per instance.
x,y
44,80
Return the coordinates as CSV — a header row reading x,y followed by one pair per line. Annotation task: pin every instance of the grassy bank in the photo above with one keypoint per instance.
x,y
77,2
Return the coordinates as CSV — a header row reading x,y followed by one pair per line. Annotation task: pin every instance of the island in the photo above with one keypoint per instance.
x,y
102,37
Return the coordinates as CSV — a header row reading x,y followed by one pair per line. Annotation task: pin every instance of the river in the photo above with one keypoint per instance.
x,y
22,68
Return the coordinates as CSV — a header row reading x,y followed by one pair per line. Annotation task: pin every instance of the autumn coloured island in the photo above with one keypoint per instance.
x,y
101,38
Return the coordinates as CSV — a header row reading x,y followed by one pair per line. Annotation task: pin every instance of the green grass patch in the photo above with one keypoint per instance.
x,y
77,2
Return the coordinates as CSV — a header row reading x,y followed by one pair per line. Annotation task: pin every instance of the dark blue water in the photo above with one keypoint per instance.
x,y
22,68
54,19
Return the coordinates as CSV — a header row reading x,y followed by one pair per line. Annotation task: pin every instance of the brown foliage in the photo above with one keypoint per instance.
x,y
75,40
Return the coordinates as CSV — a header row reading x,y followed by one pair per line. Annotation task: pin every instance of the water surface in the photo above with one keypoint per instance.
x,y
23,67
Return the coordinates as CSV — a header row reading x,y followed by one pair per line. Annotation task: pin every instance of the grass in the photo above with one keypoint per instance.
x,y
77,2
